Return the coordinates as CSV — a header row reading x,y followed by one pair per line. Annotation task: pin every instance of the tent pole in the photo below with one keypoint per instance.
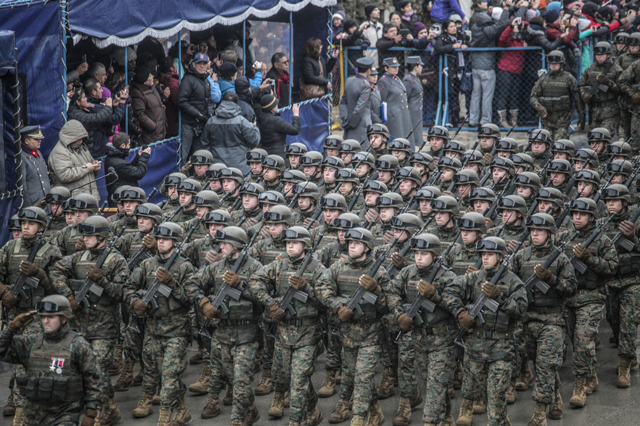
x,y
290,55
244,47
126,83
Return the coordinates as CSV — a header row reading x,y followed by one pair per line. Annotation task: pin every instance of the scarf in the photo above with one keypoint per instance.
x,y
407,16
461,63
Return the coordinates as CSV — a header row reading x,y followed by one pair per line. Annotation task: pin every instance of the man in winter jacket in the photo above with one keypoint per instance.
x,y
485,33
274,129
279,73
129,172
147,107
372,30
229,136
71,162
169,78
194,99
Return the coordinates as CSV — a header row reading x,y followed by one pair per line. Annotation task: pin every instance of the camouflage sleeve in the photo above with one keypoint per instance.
x,y
515,265
516,303
190,252
61,272
318,281
605,260
116,274
201,280
185,292
583,87
57,240
573,89
324,255
382,277
249,291
627,80
134,283
327,290
395,292
123,245
614,74
256,250
15,348
455,295
566,282
263,282
84,356
4,263
51,257
536,92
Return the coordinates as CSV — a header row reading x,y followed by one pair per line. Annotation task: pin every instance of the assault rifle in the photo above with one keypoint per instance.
x,y
534,281
90,286
620,240
17,289
391,270
296,194
593,92
360,295
577,263
102,208
156,287
318,211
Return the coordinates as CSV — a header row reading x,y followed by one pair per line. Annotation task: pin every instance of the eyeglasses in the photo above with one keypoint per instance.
x,y
271,163
537,221
387,201
332,143
200,159
128,193
84,228
295,149
55,198
145,211
465,223
437,131
276,217
51,307
253,157
223,236
596,135
166,232
330,203
612,193
175,180
342,223
386,165
288,176
481,193
216,218
248,188
269,197
345,147
199,201
396,222
354,234
286,61
420,244
488,245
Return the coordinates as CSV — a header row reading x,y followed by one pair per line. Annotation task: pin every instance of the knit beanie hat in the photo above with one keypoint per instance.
x,y
554,5
142,74
227,70
551,16
537,21
368,9
417,27
530,14
349,23
268,102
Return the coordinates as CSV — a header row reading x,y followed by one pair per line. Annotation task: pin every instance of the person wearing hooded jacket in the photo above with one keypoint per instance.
x,y
245,99
273,128
147,107
71,162
229,136
129,172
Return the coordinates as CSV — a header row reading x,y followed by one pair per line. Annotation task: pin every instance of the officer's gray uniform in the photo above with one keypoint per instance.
x,y
355,107
414,96
35,177
394,93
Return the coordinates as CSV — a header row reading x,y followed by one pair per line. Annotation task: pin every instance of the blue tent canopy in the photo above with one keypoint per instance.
x,y
126,22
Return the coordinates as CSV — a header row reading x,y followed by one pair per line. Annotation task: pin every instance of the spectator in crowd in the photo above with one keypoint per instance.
x,y
227,73
442,9
35,177
71,163
396,19
120,60
216,93
194,100
485,33
129,172
99,72
508,76
391,38
338,19
153,47
98,119
273,128
245,99
279,73
229,136
536,35
355,39
314,68
477,6
445,44
423,40
372,30
147,107
168,77
409,17
240,47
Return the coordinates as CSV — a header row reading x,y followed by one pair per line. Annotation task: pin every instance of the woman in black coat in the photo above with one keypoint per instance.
x,y
312,73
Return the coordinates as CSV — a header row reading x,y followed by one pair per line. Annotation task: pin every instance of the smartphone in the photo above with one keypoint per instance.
x,y
404,33
517,21
436,29
84,58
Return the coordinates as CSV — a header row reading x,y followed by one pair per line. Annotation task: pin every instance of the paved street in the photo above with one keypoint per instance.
x,y
608,406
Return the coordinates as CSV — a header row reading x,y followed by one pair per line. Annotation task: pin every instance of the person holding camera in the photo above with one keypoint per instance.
x,y
148,107
129,172
446,43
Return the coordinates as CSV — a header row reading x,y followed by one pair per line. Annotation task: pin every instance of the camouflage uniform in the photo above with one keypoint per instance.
x,y
66,239
603,109
237,335
629,82
239,215
544,320
81,368
361,345
129,223
98,324
490,345
555,91
624,61
169,205
183,216
166,330
445,235
58,223
201,231
299,335
432,341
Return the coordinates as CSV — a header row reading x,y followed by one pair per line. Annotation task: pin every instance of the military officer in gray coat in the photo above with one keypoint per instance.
x,y
414,96
394,93
35,175
355,105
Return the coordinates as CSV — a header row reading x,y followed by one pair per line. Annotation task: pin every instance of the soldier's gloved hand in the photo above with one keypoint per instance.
x,y
487,158
405,322
603,79
544,274
635,98
150,242
265,232
399,261
89,418
586,98
627,228
387,237
582,121
489,223
308,221
231,278
281,256
369,283
185,169
139,307
345,314
297,282
426,289
212,257
8,299
471,269
372,215
75,306
276,313
95,274
31,270
207,309
490,290
80,245
582,252
469,209
511,245
165,277
250,222
542,111
466,321
21,321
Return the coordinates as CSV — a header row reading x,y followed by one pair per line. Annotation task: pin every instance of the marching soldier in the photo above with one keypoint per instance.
x,y
350,181
401,149
367,165
462,258
130,198
307,203
290,178
169,189
387,166
551,197
13,225
454,149
540,141
330,167
513,210
563,149
232,179
198,164
272,166
187,188
474,160
293,152
371,190
502,171
205,201
438,137
410,180
599,140
424,163
347,150
355,104
527,186
254,159
465,182
449,166
506,147
378,135
445,209
552,96
97,320
331,145
560,172
626,103
312,166
585,159
69,240
481,199
54,208
251,212
215,177
587,186
394,93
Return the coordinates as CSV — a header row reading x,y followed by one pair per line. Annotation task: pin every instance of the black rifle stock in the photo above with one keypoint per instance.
x,y
17,289
534,281
577,263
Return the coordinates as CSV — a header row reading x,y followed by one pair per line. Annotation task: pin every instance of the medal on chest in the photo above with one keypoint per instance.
x,y
56,365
